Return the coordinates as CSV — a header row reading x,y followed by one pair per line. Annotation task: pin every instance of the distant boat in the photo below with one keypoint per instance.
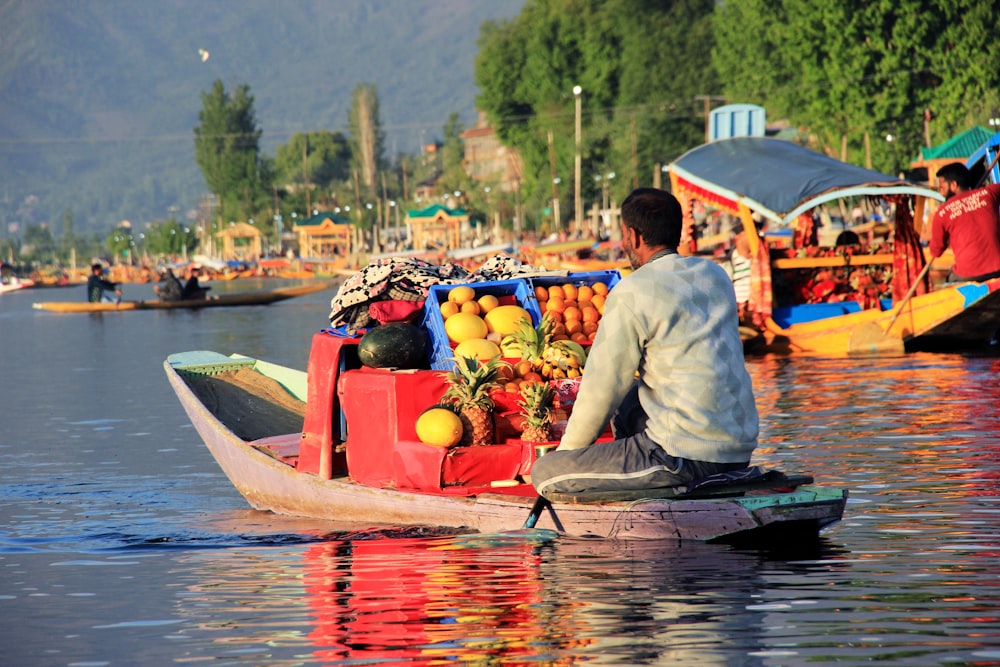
x,y
248,299
15,285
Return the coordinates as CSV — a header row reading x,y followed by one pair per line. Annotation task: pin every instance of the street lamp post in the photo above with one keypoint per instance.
x,y
577,196
606,202
555,205
891,140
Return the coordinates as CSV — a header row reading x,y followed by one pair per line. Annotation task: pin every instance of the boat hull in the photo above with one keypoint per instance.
x,y
269,482
13,287
960,317
250,299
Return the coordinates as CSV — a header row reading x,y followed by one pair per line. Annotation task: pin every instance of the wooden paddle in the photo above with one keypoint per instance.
x,y
870,338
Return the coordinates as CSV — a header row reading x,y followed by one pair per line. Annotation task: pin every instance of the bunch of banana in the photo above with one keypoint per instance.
x,y
561,359
528,341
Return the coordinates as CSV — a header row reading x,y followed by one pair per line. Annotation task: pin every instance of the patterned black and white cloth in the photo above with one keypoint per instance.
x,y
408,279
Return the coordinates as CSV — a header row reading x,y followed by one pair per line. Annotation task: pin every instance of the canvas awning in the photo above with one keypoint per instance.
x,y
779,179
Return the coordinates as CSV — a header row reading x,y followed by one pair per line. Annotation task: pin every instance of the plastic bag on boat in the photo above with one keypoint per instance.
x,y
395,310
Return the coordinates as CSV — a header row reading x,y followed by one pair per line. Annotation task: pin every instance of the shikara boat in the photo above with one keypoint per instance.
x,y
15,285
261,298
338,442
783,183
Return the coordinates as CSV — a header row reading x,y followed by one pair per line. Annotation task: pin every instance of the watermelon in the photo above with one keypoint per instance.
x,y
394,345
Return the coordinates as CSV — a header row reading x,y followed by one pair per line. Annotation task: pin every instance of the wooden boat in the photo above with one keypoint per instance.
x,y
781,181
261,298
338,442
14,285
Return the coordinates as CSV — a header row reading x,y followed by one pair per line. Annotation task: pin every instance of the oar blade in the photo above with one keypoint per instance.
x,y
869,338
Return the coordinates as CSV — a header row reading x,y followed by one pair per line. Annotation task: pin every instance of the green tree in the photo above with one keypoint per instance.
x,y
367,137
120,244
319,159
228,153
640,63
847,70
39,245
171,239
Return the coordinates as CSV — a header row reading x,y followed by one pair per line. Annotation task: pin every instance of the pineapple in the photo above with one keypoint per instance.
x,y
469,387
536,406
552,359
528,341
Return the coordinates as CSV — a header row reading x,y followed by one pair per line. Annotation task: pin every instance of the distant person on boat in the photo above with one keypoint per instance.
x,y
7,275
738,267
968,222
170,288
192,288
691,413
98,286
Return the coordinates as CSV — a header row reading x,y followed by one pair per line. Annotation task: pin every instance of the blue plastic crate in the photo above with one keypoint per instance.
x,y
507,291
609,278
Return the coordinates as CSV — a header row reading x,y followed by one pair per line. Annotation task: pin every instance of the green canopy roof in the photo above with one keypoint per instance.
x,y
958,147
318,219
433,210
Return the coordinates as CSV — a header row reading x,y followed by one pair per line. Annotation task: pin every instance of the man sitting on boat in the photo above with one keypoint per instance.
x,y
170,289
97,285
673,322
969,222
192,289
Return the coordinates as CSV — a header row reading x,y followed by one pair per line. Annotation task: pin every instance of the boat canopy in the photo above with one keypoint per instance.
x,y
979,160
779,179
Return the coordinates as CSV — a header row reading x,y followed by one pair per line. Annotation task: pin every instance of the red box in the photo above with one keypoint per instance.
x,y
381,408
329,356
426,468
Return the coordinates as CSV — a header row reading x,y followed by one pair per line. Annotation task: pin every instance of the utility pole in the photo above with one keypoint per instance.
x,y
403,166
555,184
635,153
305,174
357,208
385,206
577,196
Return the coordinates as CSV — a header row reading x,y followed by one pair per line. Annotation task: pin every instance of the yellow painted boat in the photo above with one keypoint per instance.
x,y
958,317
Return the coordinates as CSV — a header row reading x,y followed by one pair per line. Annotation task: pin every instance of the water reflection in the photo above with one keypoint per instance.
x,y
377,598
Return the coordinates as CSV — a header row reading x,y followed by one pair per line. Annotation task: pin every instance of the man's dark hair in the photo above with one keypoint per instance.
x,y
96,267
656,215
957,173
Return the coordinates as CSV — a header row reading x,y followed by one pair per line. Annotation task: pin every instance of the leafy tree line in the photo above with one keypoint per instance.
x,y
640,65
318,170
847,75
315,171
853,69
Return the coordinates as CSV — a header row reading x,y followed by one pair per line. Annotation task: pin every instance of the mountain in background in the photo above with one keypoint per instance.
x,y
98,99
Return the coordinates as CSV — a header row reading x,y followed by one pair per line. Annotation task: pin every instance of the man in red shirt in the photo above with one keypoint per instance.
x,y
969,222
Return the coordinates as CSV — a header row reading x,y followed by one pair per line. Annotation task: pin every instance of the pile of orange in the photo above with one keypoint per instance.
x,y
518,375
576,309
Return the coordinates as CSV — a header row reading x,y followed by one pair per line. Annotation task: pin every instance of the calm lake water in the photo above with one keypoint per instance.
x,y
122,543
